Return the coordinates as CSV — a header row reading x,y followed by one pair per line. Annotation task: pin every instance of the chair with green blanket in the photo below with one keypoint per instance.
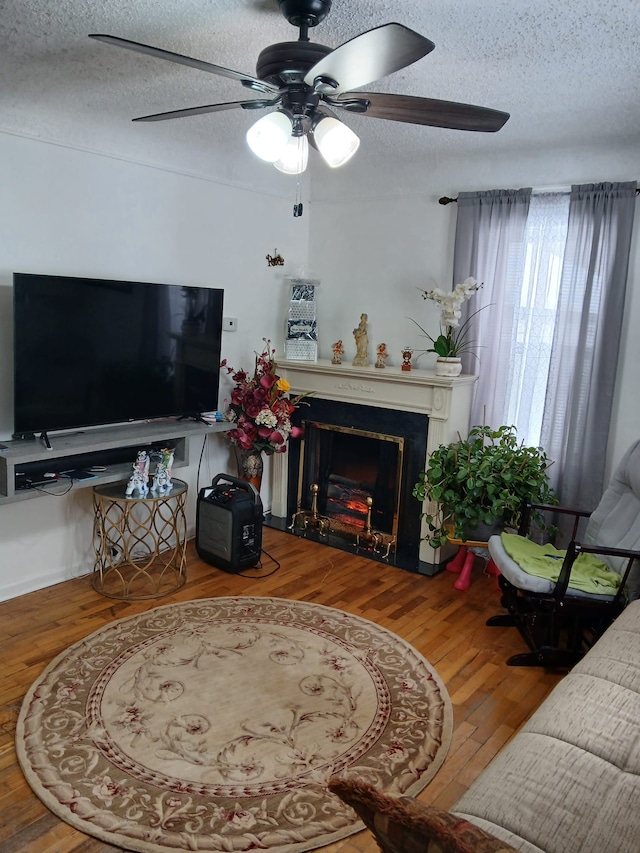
x,y
562,601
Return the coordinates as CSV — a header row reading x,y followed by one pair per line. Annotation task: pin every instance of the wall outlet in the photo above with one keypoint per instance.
x,y
230,324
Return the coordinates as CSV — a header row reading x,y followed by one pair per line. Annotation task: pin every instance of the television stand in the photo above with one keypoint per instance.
x,y
44,438
111,447
195,418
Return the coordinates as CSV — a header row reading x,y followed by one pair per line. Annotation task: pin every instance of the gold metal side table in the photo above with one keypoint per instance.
x,y
140,543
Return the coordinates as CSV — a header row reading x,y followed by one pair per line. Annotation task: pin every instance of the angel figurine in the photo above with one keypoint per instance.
x,y
338,352
381,355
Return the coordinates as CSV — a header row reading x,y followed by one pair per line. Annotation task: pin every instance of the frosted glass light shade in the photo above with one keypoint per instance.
x,y
268,137
294,158
336,142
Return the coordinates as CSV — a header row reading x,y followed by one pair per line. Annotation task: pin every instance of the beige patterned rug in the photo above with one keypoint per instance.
x,y
216,724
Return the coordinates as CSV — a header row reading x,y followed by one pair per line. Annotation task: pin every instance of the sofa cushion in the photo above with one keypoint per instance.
x,y
569,781
592,576
404,825
512,571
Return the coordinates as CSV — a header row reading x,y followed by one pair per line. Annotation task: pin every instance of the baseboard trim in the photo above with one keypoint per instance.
x,y
33,584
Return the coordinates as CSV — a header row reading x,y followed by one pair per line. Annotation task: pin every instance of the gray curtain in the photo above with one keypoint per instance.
x,y
577,411
488,246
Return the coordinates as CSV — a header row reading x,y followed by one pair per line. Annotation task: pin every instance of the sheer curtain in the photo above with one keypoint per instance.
x,y
533,321
555,269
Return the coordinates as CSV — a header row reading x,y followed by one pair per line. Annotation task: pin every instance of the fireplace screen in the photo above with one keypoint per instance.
x,y
349,484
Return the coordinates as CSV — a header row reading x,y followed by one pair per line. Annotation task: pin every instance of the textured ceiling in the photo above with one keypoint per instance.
x,y
566,70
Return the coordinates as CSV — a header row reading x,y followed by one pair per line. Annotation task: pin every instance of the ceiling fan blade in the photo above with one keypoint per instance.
x,y
201,65
368,57
429,111
257,104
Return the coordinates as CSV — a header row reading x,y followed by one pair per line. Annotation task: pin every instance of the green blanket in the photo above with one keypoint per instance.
x,y
588,574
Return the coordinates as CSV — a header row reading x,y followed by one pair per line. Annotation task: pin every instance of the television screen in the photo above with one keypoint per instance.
x,y
94,351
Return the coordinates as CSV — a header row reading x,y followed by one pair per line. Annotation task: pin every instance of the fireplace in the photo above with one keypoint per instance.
x,y
354,478
363,462
367,434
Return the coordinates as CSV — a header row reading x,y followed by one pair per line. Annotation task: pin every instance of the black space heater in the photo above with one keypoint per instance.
x,y
229,524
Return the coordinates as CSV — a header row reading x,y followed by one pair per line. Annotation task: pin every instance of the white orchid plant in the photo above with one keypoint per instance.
x,y
452,342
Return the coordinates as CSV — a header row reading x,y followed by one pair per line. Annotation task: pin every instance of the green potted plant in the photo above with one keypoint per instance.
x,y
482,480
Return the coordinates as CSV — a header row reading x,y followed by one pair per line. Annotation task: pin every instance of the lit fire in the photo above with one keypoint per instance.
x,y
349,520
356,506
351,512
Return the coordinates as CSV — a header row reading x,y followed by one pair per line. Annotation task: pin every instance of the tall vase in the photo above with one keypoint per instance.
x,y
250,465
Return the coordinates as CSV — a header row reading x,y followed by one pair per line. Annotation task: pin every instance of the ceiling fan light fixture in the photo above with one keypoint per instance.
x,y
269,136
336,142
302,79
294,158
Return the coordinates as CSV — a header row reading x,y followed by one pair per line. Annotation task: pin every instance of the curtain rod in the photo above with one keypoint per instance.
x,y
446,200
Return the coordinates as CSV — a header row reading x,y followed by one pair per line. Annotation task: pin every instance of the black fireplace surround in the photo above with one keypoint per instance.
x,y
410,426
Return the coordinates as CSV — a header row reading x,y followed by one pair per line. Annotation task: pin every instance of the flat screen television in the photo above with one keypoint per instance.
x,y
90,351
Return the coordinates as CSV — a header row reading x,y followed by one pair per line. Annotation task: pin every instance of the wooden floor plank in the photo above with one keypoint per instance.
x,y
490,700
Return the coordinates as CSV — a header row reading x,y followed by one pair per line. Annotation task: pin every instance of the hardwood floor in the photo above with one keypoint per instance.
x,y
490,700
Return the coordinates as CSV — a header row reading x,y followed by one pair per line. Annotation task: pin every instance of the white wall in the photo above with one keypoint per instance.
x,y
374,234
70,212
379,235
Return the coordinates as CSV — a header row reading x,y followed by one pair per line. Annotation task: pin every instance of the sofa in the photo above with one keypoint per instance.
x,y
567,782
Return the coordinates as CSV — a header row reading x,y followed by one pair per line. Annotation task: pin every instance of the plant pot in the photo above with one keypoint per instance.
x,y
250,466
482,531
448,366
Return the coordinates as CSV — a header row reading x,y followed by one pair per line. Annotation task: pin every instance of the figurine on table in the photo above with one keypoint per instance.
x,y
162,482
139,480
338,352
407,352
381,355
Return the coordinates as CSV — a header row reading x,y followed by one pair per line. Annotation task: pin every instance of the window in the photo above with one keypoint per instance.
x,y
555,272
534,314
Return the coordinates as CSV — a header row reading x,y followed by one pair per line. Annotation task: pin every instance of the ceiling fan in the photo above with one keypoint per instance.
x,y
306,82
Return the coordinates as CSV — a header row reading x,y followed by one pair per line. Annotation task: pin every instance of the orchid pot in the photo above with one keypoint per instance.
x,y
448,366
453,341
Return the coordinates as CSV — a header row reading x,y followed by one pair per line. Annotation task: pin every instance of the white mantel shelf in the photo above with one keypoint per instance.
x,y
389,387
445,400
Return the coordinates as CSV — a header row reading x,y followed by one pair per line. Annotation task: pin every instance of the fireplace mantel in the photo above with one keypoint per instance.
x,y
388,387
445,400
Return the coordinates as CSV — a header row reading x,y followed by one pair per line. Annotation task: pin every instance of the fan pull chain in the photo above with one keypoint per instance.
x,y
298,207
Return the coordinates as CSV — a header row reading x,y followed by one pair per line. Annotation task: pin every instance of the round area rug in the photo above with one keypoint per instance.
x,y
216,725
